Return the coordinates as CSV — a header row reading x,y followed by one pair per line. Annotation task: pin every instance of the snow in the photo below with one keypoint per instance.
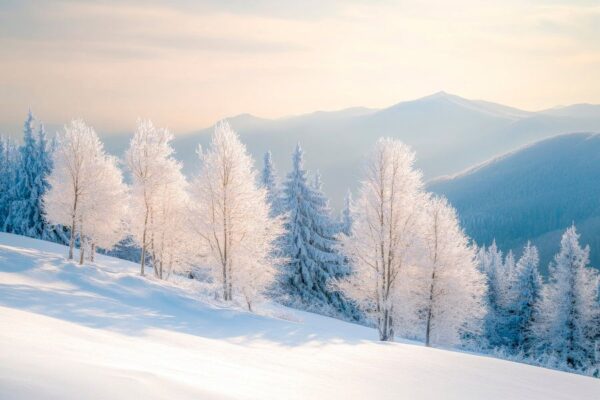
x,y
101,331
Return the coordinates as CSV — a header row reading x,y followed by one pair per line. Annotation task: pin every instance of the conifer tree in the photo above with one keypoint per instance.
x,y
269,181
310,246
25,216
347,217
492,265
567,314
7,171
43,229
524,293
19,213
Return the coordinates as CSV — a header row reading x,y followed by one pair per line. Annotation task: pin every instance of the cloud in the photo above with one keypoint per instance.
x,y
189,63
97,29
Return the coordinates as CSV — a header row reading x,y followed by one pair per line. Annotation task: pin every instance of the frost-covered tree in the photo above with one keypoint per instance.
x,y
566,317
311,247
231,219
385,233
492,265
347,215
151,164
103,207
42,228
73,179
19,215
454,304
25,215
526,284
7,177
269,181
508,272
171,247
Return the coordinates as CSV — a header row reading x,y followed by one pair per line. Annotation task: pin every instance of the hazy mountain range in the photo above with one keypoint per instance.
x,y
448,133
533,193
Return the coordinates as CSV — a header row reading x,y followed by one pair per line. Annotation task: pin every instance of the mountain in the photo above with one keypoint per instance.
x,y
534,193
100,331
448,133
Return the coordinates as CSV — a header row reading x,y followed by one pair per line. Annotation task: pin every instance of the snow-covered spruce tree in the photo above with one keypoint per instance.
x,y
151,164
347,214
567,313
311,247
455,288
269,181
524,291
45,151
73,178
25,216
231,219
492,265
7,177
19,210
385,234
509,271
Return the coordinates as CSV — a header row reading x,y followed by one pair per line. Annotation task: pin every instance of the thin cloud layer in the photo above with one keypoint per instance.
x,y
187,64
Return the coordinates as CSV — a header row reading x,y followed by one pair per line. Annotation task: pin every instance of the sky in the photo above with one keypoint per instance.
x,y
186,64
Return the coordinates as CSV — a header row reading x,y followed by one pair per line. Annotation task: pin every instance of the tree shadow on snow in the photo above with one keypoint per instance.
x,y
105,298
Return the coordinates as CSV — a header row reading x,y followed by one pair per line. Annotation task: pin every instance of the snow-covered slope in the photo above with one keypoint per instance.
x,y
448,132
102,332
534,193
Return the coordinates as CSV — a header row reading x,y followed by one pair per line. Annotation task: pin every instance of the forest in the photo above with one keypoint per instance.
x,y
395,258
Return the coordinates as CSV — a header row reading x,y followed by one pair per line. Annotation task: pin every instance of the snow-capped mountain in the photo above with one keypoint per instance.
x,y
533,193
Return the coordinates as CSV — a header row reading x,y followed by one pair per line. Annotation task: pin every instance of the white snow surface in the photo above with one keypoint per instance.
x,y
100,331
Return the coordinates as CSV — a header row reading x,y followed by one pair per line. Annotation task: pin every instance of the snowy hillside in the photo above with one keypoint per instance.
x,y
534,193
101,331
448,132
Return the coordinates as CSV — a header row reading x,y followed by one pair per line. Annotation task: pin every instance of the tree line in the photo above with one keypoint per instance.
x,y
396,259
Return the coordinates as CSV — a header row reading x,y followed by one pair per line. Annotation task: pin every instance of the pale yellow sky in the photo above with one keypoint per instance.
x,y
188,63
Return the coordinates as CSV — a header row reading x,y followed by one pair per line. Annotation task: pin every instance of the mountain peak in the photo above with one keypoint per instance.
x,y
439,95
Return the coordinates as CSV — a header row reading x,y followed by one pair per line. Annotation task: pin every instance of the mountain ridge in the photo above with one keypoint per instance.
x,y
533,193
449,134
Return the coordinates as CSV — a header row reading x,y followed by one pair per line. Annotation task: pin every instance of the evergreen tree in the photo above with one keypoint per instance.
x,y
492,266
269,181
42,229
21,217
347,217
567,314
25,213
311,247
524,293
7,170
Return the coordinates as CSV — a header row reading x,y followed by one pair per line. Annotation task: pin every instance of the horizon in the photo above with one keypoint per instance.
x,y
14,129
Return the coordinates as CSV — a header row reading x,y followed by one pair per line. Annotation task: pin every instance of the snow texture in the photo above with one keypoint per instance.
x,y
101,331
